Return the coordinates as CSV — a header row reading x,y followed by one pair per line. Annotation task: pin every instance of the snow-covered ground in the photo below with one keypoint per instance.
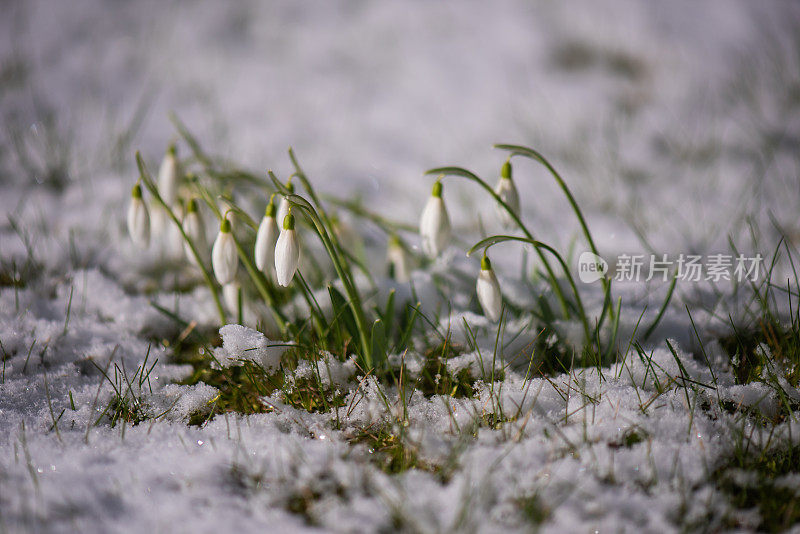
x,y
676,124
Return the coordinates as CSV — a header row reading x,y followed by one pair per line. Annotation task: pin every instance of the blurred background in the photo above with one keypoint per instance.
x,y
676,123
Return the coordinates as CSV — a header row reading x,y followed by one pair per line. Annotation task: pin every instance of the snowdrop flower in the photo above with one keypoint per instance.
x,y
283,207
230,294
507,191
168,177
195,230
287,252
138,218
489,291
158,218
434,226
399,260
224,258
174,239
266,238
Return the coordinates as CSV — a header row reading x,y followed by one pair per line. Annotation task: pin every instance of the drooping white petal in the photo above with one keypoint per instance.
x,y
159,218
287,255
434,227
489,296
283,209
139,222
266,238
168,175
196,231
174,239
224,258
507,190
230,294
400,262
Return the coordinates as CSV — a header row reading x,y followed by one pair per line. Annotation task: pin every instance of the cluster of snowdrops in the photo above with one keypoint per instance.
x,y
276,252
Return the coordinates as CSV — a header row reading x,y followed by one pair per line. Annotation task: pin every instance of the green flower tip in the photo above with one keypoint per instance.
x,y
270,211
486,265
136,192
191,207
437,189
288,222
172,149
225,226
290,186
394,241
505,172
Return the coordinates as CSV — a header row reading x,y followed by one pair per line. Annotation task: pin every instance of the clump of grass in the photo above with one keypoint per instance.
x,y
764,346
390,450
771,342
629,438
300,503
128,409
240,389
127,404
753,480
533,509
436,379
308,394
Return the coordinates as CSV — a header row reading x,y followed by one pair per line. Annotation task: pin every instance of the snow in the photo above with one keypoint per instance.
x,y
242,343
675,120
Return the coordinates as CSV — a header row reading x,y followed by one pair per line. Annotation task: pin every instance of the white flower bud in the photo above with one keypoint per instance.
x,y
138,219
266,238
507,190
287,252
488,290
399,260
224,258
230,294
158,218
196,231
168,176
283,207
434,226
174,239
